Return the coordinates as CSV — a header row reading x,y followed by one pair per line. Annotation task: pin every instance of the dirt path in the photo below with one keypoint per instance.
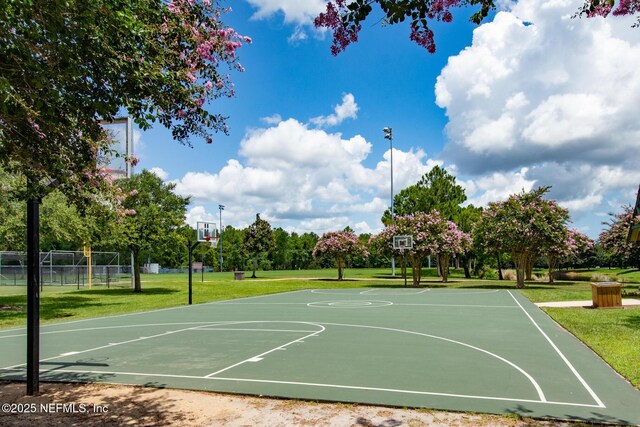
x,y
111,405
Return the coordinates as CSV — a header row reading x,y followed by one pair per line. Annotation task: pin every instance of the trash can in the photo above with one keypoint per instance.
x,y
238,275
606,294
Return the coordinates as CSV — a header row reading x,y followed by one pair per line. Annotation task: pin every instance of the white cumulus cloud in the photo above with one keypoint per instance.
x,y
294,11
541,98
160,173
304,179
347,110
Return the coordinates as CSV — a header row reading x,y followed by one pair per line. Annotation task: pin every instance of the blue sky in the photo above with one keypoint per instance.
x,y
504,106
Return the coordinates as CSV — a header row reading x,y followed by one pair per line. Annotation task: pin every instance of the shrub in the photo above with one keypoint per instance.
x,y
600,278
509,274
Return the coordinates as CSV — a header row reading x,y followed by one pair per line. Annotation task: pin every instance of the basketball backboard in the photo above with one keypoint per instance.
x,y
403,243
207,232
120,131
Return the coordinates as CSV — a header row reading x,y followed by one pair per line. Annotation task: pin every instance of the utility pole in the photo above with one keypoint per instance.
x,y
388,134
221,207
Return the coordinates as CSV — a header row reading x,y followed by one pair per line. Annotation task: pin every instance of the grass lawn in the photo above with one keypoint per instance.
x,y
613,334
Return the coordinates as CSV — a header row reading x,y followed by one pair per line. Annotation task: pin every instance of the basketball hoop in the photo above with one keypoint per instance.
x,y
212,241
403,243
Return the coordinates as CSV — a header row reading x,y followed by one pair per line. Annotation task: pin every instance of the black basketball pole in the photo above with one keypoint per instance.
x,y
190,248
33,296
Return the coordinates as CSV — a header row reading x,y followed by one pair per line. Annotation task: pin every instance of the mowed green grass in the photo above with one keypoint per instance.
x,y
613,334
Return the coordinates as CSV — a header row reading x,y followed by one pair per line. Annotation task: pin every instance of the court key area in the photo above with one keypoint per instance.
x,y
474,350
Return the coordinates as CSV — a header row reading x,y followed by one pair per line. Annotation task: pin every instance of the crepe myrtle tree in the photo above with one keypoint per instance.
x,y
567,244
68,64
614,238
592,8
340,245
522,225
432,235
344,18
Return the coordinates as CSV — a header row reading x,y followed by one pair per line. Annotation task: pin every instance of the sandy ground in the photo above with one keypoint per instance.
x,y
110,405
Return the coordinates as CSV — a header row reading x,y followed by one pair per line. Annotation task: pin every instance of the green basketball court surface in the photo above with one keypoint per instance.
x,y
462,350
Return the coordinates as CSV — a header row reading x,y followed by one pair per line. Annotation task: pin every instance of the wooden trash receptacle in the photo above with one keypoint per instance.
x,y
238,275
606,294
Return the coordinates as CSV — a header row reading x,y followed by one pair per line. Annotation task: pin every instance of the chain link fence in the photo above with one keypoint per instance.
x,y
62,268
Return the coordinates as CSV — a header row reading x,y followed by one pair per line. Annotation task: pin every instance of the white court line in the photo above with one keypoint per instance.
x,y
426,305
508,362
322,328
264,303
390,390
352,292
382,293
463,305
220,323
148,311
141,325
456,292
256,296
99,328
110,345
562,356
253,330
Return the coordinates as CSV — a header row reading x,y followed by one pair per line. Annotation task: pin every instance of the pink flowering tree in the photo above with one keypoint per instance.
x,y
614,238
157,61
522,225
339,245
344,18
564,245
592,8
432,235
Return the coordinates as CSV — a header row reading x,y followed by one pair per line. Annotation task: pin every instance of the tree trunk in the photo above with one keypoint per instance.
x,y
552,262
529,268
520,260
500,276
137,286
467,267
443,260
339,262
255,266
416,269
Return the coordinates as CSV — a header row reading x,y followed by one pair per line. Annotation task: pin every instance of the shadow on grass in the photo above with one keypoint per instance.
x,y
127,291
632,322
59,306
628,272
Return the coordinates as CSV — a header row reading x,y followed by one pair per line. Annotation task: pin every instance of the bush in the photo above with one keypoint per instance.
x,y
570,276
487,273
509,274
600,278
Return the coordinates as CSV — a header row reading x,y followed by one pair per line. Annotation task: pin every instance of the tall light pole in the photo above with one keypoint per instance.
x,y
221,207
388,134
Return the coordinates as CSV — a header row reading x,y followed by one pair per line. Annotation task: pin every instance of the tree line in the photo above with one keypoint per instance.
x,y
525,231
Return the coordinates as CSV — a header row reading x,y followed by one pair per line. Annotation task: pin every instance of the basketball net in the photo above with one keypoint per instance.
x,y
212,242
